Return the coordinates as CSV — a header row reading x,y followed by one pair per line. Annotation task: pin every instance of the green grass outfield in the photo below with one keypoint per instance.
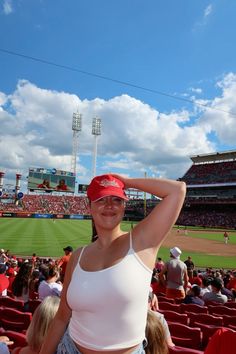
x,y
47,238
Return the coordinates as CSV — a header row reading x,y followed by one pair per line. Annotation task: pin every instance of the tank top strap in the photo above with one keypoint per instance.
x,y
81,254
130,242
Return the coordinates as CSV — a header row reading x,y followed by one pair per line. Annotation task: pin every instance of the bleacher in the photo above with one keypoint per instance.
x,y
191,326
49,204
211,191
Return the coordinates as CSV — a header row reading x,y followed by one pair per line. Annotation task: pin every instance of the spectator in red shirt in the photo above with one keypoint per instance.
x,y
159,264
222,342
196,279
4,281
62,186
44,185
62,263
232,283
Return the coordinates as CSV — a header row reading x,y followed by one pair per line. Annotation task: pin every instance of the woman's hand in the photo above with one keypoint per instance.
x,y
124,179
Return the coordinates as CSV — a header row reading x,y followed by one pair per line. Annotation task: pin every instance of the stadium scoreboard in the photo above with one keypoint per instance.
x,y
50,180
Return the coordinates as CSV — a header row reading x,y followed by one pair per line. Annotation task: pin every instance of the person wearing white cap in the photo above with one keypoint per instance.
x,y
174,275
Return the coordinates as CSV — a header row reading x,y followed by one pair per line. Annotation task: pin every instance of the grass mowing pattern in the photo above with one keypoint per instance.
x,y
44,236
48,238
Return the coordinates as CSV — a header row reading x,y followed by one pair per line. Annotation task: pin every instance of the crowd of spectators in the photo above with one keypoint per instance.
x,y
34,277
48,204
209,285
205,216
209,173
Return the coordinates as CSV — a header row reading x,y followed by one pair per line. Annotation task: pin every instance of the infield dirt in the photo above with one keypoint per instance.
x,y
189,243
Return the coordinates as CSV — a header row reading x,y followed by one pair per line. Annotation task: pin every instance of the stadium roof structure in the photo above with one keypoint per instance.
x,y
214,157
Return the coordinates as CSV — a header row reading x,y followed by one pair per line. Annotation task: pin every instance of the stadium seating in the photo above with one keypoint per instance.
x,y
50,204
231,305
207,332
185,336
204,318
229,320
182,350
221,310
33,304
175,316
19,339
14,320
165,299
193,308
12,303
169,306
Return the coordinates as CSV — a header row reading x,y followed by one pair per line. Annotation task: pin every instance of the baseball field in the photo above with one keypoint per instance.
x,y
47,238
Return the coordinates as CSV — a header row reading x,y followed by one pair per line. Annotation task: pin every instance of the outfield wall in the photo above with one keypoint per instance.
x,y
43,216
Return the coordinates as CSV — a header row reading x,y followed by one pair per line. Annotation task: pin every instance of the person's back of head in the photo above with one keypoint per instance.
x,y
156,340
22,278
205,282
53,272
42,318
216,284
196,290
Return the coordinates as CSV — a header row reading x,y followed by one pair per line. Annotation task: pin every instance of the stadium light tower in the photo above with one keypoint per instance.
x,y
96,131
76,127
1,180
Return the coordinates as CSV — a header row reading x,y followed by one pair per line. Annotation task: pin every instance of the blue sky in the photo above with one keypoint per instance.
x,y
167,54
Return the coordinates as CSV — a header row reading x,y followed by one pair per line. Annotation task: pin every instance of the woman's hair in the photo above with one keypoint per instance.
x,y
155,335
53,270
94,232
21,281
42,318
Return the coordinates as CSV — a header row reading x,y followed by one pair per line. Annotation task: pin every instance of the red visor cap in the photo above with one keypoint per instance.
x,y
105,186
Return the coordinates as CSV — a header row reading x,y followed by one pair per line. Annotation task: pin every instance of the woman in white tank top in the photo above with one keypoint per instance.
x,y
104,300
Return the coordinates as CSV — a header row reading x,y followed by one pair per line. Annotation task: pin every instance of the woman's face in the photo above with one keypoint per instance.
x,y
108,212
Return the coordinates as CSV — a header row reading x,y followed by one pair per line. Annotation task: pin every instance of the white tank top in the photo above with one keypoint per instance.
x,y
109,306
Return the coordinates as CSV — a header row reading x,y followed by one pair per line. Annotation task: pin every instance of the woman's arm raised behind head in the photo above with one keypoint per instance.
x,y
152,230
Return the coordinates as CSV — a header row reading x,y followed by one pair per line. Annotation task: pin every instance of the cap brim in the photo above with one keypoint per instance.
x,y
124,197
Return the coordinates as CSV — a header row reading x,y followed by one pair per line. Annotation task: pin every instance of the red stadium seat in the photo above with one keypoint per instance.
x,y
169,306
193,308
14,320
159,293
12,303
185,336
232,327
231,305
175,316
19,339
165,299
204,318
182,350
229,320
33,304
207,332
221,310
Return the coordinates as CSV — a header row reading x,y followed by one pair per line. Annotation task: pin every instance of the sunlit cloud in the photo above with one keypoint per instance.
x,y
7,7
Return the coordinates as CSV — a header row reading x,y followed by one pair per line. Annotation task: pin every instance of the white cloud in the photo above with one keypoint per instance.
x,y
197,90
36,131
202,22
208,10
219,120
7,7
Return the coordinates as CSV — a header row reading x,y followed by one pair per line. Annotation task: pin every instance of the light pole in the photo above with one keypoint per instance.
x,y
76,128
96,131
